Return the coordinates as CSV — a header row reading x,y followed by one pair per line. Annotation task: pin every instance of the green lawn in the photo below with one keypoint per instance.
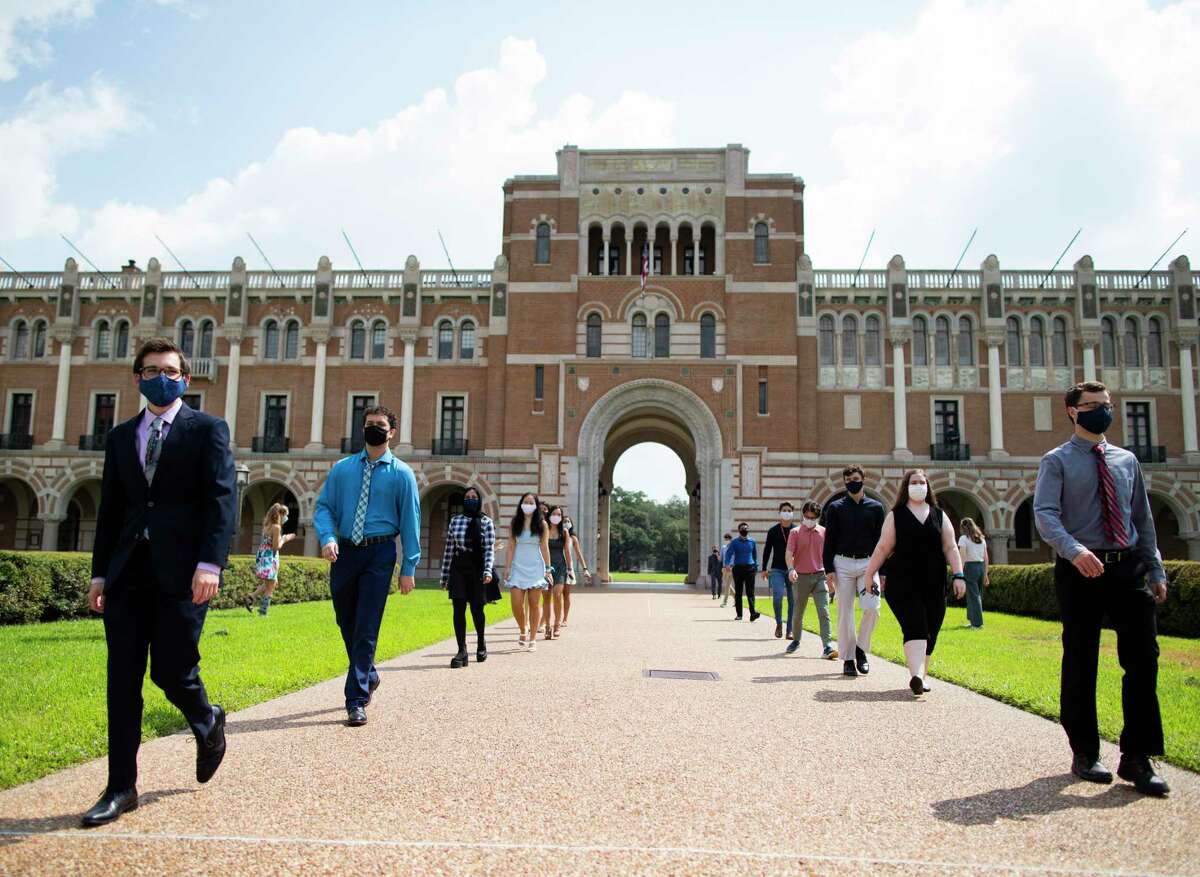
x,y
57,670
1016,660
670,577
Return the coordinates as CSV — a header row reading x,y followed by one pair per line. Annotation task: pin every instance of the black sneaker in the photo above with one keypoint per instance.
x,y
848,669
860,658
1090,768
792,646
1139,770
754,616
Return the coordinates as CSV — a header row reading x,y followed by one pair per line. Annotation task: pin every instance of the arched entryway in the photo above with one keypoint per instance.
x,y
19,527
1166,527
259,497
439,503
958,504
666,548
77,530
650,410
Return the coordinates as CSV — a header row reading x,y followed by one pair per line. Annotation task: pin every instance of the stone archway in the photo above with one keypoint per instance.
x,y
258,497
658,408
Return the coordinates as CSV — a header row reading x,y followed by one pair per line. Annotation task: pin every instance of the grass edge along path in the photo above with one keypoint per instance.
x,y
1016,660
60,666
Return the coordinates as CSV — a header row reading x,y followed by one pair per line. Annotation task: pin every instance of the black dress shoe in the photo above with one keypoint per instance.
x,y
212,750
792,646
1139,770
860,658
754,616
356,716
110,806
459,660
848,669
1089,768
917,686
481,655
737,618
778,631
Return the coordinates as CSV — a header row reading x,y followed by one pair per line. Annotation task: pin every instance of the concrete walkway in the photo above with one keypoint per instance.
x,y
571,761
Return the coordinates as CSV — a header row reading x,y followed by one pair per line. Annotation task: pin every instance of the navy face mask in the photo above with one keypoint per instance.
x,y
162,391
471,506
854,486
1096,421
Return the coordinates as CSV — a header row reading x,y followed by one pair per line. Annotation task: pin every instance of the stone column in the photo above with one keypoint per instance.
x,y
50,532
899,401
316,431
604,261
603,576
1089,362
231,391
674,255
995,407
1193,544
629,255
1187,397
62,392
997,542
311,548
696,254
406,405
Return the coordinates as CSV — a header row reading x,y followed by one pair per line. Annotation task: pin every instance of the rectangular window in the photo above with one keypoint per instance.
x,y
539,382
20,418
104,413
1137,424
945,422
358,412
762,389
275,417
454,415
192,400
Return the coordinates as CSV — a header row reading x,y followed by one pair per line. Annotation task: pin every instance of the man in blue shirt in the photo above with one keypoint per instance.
x,y
741,556
1090,503
367,501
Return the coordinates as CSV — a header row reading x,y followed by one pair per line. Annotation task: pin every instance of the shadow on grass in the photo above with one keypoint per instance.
x,y
1040,797
13,830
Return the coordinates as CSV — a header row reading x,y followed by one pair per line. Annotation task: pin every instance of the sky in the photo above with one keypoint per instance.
x,y
201,121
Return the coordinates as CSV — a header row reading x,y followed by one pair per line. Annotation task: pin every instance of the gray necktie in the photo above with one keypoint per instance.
x,y
153,448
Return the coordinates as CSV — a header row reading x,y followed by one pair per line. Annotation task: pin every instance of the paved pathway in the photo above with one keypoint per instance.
x,y
570,761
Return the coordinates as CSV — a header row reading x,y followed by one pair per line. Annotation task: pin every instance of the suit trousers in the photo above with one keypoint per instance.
x,y
1122,594
144,618
359,581
851,584
743,583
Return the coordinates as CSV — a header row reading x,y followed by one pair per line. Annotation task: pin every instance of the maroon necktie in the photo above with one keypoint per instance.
x,y
1114,526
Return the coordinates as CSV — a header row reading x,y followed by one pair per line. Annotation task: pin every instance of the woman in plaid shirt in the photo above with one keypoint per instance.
x,y
467,570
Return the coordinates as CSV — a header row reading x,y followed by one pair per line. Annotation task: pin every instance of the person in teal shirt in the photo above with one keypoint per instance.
x,y
367,501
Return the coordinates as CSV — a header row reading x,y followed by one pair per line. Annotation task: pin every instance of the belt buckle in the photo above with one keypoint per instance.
x,y
1113,556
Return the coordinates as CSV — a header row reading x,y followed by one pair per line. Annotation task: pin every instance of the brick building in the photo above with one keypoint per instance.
x,y
763,373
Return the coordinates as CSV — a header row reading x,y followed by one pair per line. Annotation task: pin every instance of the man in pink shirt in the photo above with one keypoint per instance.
x,y
806,571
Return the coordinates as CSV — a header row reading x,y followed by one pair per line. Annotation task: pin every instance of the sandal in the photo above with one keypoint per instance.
x,y
521,641
557,633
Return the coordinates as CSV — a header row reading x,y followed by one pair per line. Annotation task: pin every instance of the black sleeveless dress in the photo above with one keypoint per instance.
x,y
916,576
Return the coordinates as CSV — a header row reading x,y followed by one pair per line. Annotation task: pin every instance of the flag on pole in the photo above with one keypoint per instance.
x,y
645,263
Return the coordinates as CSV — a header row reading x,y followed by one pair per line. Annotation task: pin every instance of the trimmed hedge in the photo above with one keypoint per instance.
x,y
1029,590
45,586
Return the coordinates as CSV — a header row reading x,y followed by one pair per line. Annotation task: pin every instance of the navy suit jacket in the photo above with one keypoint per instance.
x,y
190,507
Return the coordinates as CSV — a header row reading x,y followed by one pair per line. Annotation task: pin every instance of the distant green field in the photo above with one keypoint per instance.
x,y
669,577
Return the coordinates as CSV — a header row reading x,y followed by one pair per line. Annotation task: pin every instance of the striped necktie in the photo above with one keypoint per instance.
x,y
360,511
1110,514
153,448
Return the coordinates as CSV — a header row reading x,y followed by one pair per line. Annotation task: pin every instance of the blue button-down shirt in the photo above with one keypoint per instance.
x,y
392,507
741,550
1067,509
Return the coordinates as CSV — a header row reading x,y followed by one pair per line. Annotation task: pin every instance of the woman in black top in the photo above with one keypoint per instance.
x,y
467,570
714,572
917,542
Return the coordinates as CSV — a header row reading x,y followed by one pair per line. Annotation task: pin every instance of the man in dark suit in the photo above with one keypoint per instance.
x,y
167,507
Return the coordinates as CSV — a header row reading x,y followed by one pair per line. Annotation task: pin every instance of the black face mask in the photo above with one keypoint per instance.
x,y
743,532
471,507
1095,421
375,435
854,487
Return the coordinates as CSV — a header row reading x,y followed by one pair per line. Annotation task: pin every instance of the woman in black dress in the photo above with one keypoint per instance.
x,y
467,570
917,542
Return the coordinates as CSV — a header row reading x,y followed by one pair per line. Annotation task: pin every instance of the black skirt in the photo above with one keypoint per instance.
x,y
465,580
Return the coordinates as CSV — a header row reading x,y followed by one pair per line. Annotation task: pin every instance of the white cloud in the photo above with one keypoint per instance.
x,y
437,163
1019,117
23,24
48,126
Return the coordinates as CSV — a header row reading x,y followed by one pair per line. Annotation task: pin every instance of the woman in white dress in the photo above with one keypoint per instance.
x,y
529,568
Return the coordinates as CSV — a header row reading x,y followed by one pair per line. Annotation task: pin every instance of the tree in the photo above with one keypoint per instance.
x,y
642,531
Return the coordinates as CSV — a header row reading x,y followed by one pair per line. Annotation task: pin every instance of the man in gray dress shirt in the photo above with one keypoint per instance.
x,y
1090,503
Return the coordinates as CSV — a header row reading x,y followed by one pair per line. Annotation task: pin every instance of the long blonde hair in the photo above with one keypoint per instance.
x,y
971,530
274,514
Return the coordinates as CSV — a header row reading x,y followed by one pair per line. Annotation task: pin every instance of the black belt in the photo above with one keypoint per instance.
x,y
370,540
1115,556
855,556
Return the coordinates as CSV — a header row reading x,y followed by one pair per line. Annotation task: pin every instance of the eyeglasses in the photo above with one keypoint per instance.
x,y
1094,406
150,372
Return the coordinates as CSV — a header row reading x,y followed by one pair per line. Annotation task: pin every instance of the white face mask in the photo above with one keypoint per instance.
x,y
556,519
918,492
528,508
809,522
787,516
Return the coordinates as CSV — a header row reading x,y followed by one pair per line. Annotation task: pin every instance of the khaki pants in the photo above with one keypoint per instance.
x,y
851,584
814,584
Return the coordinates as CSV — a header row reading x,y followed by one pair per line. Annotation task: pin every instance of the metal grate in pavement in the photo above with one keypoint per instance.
x,y
700,675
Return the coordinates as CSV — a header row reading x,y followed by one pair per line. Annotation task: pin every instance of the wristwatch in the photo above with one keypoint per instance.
x,y
958,575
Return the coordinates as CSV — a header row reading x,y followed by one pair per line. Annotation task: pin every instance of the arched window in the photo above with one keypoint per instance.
x,y
920,349
291,340
966,341
1037,342
379,340
641,346
761,251
103,340
662,335
187,337
849,340
1015,356
271,340
1154,345
20,348
206,339
871,350
358,340
466,340
594,329
708,336
542,254
941,341
1058,347
1108,343
39,338
825,341
1132,344
445,349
